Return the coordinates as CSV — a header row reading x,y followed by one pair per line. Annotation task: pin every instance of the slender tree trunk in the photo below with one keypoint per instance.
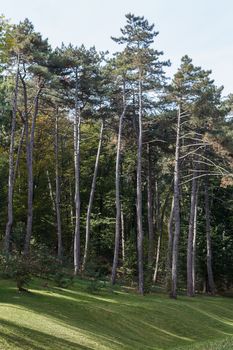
x,y
91,198
160,233
118,200
19,152
211,283
51,192
77,125
58,191
194,243
30,148
139,195
170,239
11,165
122,236
150,210
190,248
176,210
71,208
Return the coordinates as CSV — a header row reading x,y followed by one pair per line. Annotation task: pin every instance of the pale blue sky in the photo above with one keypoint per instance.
x,y
203,29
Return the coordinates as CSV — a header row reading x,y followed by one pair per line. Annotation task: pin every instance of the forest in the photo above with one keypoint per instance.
x,y
112,173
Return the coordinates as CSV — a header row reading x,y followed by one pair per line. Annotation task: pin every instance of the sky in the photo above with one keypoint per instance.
x,y
203,29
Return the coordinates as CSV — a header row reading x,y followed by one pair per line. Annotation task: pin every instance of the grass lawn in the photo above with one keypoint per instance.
x,y
54,318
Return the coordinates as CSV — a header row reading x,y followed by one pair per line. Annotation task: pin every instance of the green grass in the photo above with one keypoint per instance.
x,y
53,318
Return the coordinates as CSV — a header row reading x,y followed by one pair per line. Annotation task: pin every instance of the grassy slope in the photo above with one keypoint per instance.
x,y
73,319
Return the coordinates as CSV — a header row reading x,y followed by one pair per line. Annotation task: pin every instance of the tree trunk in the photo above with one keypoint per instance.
x,y
51,195
170,240
150,210
139,196
11,166
93,186
58,191
176,210
30,148
194,242
160,233
190,248
71,208
77,124
118,200
211,283
19,152
122,236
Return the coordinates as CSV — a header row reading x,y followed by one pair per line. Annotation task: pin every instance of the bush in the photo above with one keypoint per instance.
x,y
40,263
95,287
63,279
17,267
98,268
46,265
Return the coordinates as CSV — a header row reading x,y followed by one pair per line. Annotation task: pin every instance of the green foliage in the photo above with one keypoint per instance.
x,y
98,267
68,74
63,279
95,286
17,267
148,283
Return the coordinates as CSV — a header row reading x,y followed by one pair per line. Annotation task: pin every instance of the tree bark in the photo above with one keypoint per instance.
x,y
58,190
190,247
51,192
139,195
170,238
194,242
71,209
211,283
122,236
11,166
150,209
160,233
91,198
117,189
19,152
30,148
173,293
77,125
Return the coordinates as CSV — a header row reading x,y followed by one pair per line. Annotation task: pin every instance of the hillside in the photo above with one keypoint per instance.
x,y
53,318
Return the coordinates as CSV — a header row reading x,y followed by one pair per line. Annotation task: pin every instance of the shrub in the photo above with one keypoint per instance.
x,y
63,279
95,287
19,268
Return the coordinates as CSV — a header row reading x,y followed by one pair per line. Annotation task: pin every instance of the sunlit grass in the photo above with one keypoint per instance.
x,y
53,318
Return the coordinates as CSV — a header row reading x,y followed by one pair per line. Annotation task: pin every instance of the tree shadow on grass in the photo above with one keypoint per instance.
x,y
19,337
112,322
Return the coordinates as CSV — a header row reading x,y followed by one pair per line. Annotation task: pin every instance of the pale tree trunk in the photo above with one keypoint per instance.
x,y
19,152
190,248
139,195
170,240
160,232
194,242
91,198
58,191
30,148
150,209
11,166
51,195
71,209
176,236
122,236
77,125
210,276
117,193
71,199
